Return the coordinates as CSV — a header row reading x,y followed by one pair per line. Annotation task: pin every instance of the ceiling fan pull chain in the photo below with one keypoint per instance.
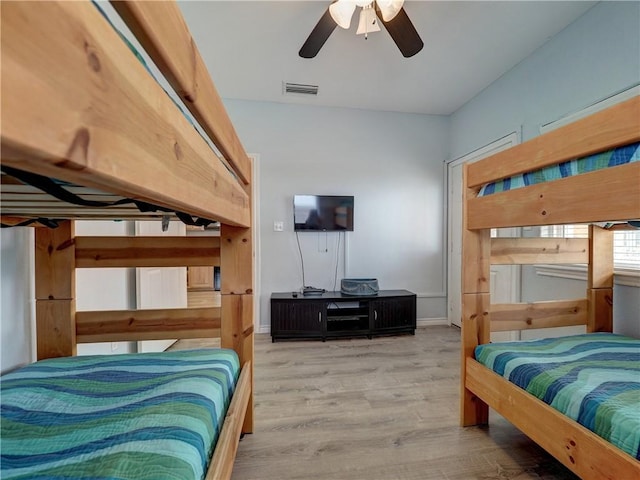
x,y
368,21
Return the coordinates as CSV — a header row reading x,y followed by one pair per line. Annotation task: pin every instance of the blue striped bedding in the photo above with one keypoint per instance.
x,y
610,158
135,416
594,379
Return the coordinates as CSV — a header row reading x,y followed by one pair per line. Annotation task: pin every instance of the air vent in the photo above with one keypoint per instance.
x,y
300,89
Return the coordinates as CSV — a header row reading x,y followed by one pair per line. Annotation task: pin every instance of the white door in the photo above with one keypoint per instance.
x,y
160,287
501,287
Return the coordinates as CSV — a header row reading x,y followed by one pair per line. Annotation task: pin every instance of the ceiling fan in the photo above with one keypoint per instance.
x,y
388,12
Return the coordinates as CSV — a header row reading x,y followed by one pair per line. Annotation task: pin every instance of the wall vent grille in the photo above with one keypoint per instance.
x,y
300,88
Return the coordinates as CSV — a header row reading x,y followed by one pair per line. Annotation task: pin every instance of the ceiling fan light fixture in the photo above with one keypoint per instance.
x,y
368,21
342,11
389,12
389,8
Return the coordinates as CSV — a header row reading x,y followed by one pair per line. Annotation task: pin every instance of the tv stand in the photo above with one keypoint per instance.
x,y
313,291
332,315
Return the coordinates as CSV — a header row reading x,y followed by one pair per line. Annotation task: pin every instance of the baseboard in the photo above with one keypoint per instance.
x,y
430,322
421,322
263,329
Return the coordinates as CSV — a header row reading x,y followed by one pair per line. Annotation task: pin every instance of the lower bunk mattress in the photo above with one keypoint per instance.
x,y
594,379
133,416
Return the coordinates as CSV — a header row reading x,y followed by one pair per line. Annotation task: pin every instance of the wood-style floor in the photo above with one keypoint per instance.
x,y
385,408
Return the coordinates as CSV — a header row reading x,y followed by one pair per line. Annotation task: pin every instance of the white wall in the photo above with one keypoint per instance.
x,y
17,345
593,58
390,162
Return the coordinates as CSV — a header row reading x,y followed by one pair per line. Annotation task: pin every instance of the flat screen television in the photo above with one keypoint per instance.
x,y
323,213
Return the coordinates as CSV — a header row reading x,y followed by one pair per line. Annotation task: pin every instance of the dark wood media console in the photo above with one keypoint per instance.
x,y
333,315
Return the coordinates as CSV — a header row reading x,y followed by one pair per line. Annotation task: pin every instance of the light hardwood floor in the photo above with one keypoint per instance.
x,y
385,408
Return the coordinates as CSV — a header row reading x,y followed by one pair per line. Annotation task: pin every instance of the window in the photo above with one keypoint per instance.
x,y
626,251
565,231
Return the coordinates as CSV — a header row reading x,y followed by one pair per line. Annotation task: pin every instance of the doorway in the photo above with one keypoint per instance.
x,y
504,278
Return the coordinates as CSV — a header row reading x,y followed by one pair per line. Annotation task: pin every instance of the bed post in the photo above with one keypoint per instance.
x,y
236,267
476,301
600,280
55,291
237,315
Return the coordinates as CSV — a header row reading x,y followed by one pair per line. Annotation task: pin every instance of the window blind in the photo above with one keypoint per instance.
x,y
626,243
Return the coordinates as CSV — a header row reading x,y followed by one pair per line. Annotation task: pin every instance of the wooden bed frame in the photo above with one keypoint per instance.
x,y
78,106
565,201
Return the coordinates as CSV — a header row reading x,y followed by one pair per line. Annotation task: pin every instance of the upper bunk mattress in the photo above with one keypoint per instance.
x,y
610,158
594,379
134,416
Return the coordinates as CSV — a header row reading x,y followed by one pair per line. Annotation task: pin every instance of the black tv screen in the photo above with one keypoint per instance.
x,y
322,213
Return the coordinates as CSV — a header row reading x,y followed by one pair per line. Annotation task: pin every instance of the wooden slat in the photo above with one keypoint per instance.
x,y
12,220
160,324
615,126
580,450
579,199
11,199
529,251
78,106
80,214
147,251
60,209
13,185
225,452
524,316
162,31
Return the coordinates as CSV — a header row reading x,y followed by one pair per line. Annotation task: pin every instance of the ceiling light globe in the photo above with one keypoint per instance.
x,y
342,11
389,8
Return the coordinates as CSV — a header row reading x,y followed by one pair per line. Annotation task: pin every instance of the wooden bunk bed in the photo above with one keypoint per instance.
x,y
611,194
79,107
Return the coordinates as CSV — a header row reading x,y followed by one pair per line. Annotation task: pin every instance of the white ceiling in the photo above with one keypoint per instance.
x,y
251,48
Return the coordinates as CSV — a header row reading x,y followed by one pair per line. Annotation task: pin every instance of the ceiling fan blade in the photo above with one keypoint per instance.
x,y
320,33
403,33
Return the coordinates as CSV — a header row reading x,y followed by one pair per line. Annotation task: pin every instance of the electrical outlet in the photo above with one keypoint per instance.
x,y
114,346
278,226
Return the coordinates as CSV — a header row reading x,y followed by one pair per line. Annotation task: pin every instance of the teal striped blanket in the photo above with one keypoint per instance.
x,y
610,158
135,416
594,379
